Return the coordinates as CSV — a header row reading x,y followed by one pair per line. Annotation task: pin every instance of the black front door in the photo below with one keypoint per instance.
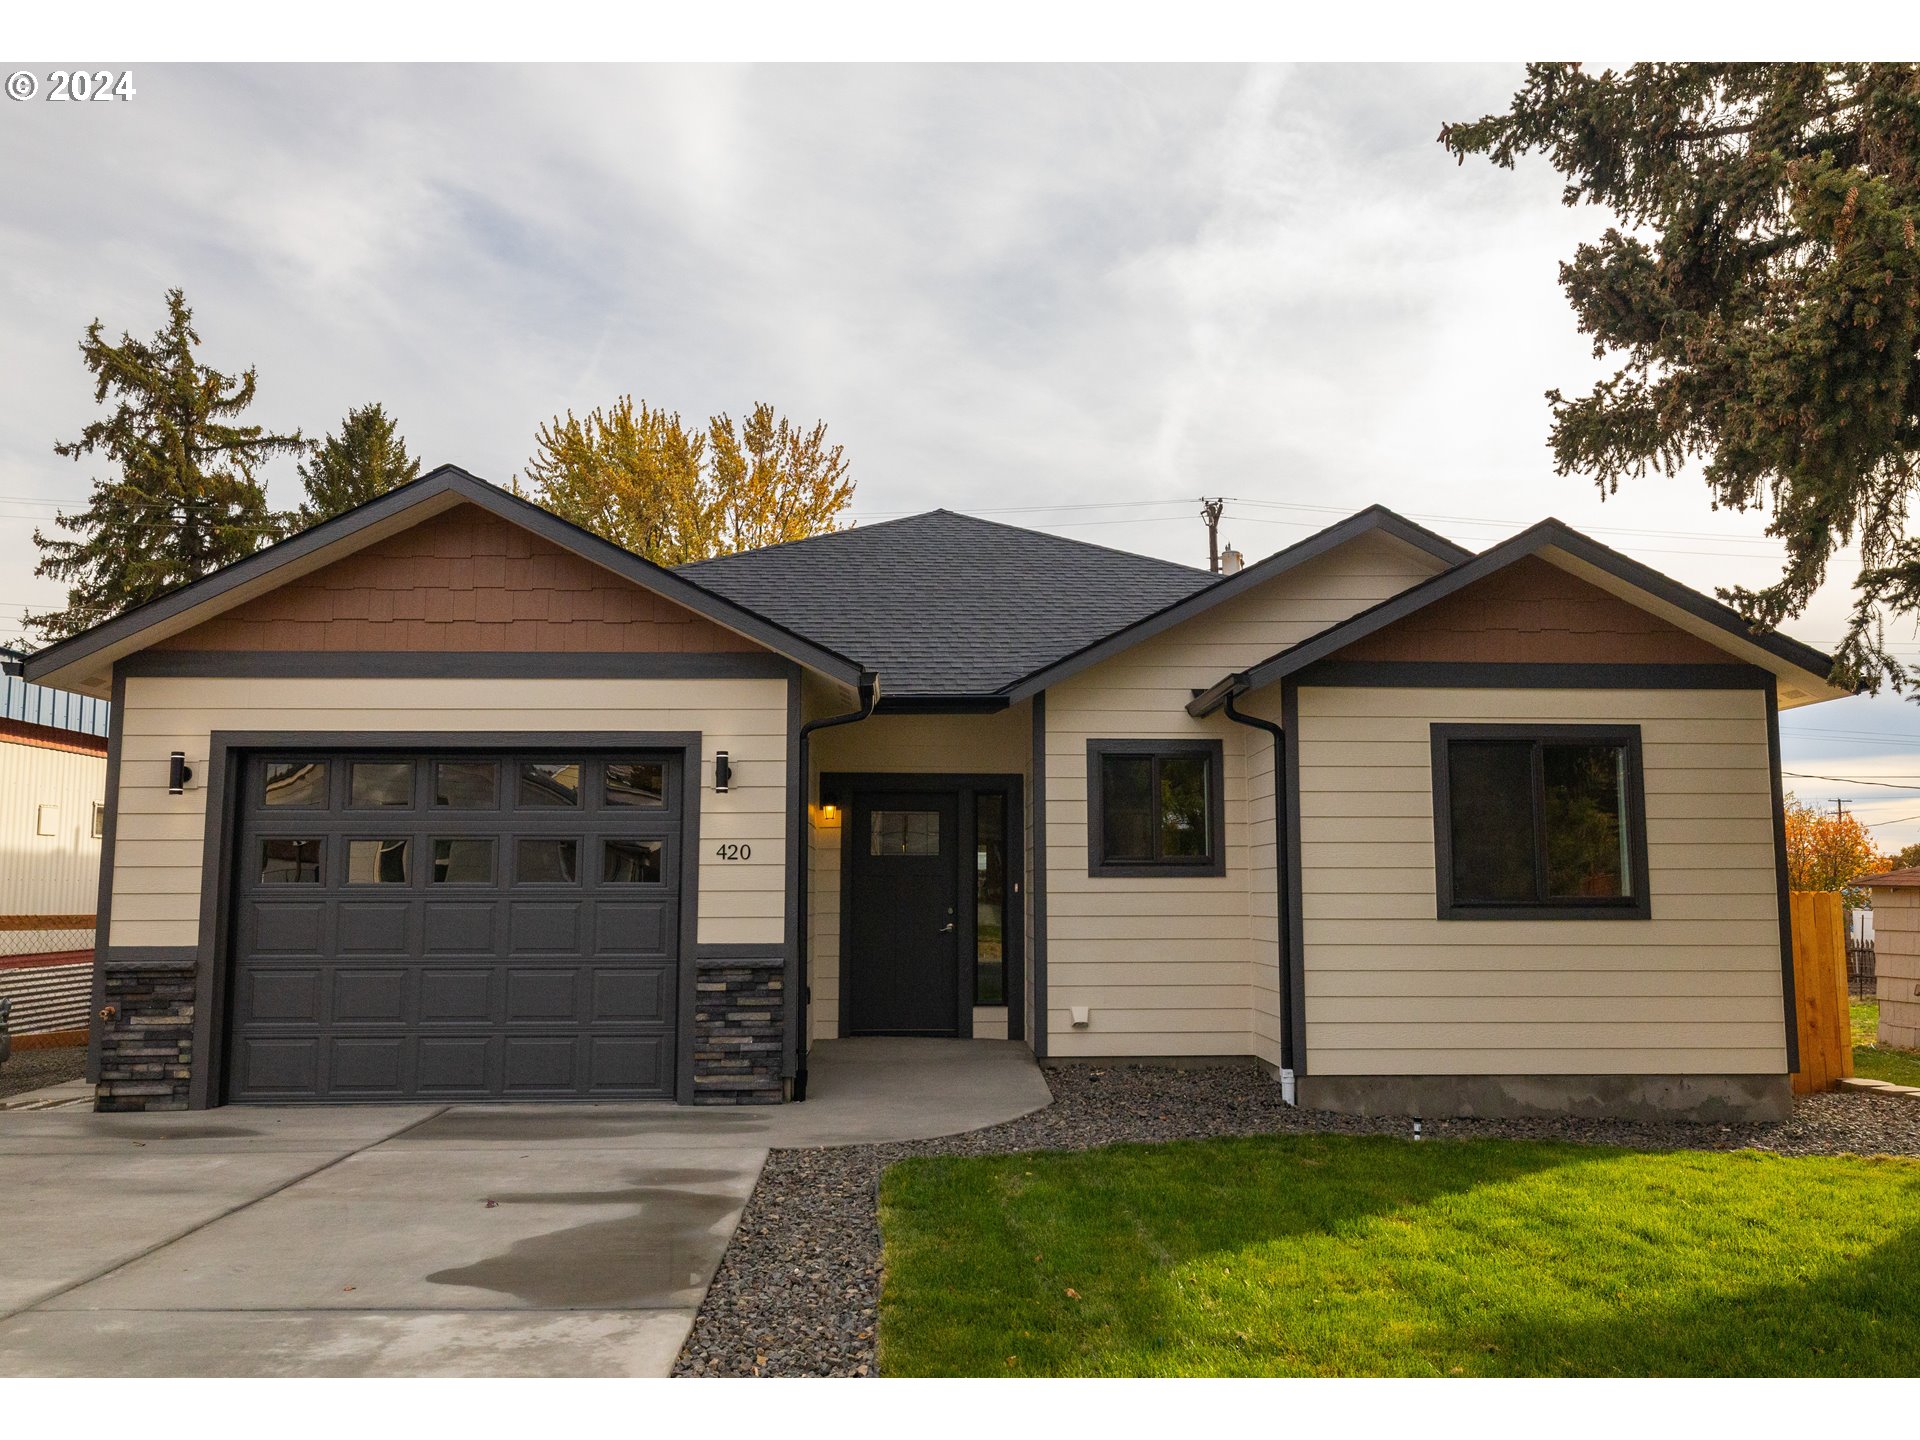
x,y
902,927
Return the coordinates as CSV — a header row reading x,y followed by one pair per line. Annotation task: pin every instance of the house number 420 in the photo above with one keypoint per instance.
x,y
735,852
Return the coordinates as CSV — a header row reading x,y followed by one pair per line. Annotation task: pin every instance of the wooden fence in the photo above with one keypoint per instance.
x,y
1820,991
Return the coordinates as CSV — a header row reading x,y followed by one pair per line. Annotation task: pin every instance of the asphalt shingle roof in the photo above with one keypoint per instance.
x,y
948,605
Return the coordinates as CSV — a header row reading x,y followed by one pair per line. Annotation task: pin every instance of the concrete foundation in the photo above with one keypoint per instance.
x,y
1706,1099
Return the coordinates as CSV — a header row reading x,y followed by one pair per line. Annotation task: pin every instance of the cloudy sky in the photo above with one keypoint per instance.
x,y
1070,298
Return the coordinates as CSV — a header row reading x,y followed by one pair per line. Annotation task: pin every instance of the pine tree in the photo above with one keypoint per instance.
x,y
1762,302
364,461
186,499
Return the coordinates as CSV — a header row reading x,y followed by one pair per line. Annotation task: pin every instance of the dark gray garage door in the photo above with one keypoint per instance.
x,y
456,926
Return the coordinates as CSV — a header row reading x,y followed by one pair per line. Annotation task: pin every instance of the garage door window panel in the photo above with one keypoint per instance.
x,y
380,784
546,784
294,784
384,861
288,860
546,860
465,784
462,860
638,783
633,862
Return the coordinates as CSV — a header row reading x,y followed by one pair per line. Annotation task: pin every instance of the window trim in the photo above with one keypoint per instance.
x,y
1214,864
1638,906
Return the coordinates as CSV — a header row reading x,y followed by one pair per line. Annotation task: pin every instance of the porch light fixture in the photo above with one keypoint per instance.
x,y
177,773
722,772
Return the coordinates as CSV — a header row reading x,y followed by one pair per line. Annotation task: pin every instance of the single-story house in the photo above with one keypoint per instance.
x,y
53,791
448,799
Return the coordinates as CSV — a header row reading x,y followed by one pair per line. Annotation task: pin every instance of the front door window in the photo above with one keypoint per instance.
x,y
990,898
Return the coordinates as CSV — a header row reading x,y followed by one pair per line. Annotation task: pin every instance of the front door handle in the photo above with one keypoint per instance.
x,y
947,929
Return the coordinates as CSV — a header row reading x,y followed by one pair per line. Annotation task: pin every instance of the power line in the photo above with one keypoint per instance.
x,y
1849,780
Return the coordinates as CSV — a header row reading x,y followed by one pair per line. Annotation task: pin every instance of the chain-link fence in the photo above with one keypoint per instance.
x,y
46,971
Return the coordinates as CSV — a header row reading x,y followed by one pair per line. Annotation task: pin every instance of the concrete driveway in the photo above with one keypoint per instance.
x,y
462,1240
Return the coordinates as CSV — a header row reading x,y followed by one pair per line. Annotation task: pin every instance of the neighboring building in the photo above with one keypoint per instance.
x,y
447,799
1896,954
53,787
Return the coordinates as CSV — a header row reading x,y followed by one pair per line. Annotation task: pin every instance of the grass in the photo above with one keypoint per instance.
x,y
1880,1062
1333,1255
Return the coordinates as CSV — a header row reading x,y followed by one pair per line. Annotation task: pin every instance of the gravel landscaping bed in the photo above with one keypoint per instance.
x,y
798,1291
32,1069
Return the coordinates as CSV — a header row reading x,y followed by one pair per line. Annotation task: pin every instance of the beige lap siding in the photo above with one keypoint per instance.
x,y
995,744
159,840
1187,965
1391,990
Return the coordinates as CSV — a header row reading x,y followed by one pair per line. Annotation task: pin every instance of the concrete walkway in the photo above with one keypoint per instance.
x,y
422,1240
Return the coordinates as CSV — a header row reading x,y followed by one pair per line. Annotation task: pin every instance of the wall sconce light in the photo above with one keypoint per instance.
x,y
178,774
722,772
829,810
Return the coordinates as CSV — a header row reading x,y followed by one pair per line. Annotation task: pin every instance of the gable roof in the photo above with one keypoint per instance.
x,y
1374,520
948,606
84,661
1583,556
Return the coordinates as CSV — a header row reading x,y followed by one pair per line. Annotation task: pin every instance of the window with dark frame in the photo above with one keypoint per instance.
x,y
1539,822
1156,807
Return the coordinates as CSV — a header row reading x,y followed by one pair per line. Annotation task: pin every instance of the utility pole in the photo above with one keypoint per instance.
x,y
1210,512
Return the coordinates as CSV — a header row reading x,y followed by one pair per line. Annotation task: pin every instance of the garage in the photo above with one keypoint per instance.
x,y
455,925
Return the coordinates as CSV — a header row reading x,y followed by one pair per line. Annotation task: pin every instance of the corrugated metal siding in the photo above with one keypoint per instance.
x,y
62,709
48,997
56,874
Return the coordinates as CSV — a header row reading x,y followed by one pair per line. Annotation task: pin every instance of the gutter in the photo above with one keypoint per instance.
x,y
1227,689
869,697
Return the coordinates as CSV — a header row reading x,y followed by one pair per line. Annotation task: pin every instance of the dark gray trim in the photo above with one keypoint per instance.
x,y
103,904
1284,971
1373,518
1782,883
1499,675
446,480
650,665
1548,534
840,787
206,1085
692,782
1215,863
228,749
941,704
1037,952
869,695
1296,931
737,952
792,1044
1638,906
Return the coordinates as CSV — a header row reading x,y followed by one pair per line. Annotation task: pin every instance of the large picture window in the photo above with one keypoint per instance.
x,y
1154,808
1539,822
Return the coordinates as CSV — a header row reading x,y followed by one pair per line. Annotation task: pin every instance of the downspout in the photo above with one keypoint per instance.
x,y
1279,885
869,694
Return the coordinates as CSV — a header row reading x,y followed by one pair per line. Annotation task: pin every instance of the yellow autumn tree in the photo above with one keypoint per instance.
x,y
640,478
1827,851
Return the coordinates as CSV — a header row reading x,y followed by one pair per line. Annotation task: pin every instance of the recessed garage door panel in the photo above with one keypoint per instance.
x,y
456,926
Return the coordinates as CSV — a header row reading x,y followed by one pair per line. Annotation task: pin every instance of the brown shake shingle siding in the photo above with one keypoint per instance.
x,y
1535,612
461,581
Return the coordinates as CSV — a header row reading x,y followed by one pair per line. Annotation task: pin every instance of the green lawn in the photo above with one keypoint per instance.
x,y
1331,1255
1875,1062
